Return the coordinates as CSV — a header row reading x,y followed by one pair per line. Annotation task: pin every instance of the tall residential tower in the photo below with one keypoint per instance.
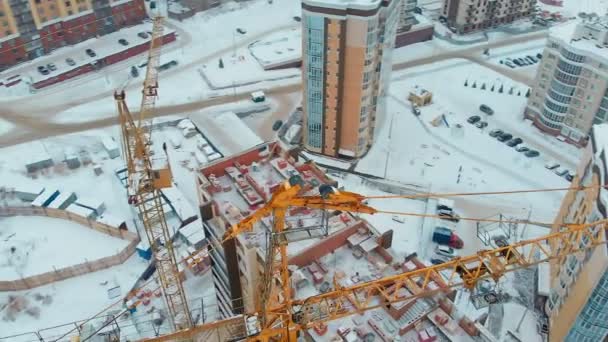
x,y
347,47
571,87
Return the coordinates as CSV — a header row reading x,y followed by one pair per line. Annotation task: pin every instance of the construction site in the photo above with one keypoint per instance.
x,y
277,190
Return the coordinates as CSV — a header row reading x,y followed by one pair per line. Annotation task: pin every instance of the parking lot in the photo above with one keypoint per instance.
x,y
522,61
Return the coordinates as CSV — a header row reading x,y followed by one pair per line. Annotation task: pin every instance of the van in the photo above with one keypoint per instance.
x,y
258,96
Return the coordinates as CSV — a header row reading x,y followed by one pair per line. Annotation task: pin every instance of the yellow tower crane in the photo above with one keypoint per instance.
x,y
282,317
146,177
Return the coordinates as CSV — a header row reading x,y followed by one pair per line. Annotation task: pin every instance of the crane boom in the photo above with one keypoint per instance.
x,y
146,177
286,317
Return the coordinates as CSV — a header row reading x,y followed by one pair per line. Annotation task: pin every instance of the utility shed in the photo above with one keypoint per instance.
x,y
81,211
45,198
112,221
28,191
71,158
111,147
179,204
192,234
64,200
92,203
38,158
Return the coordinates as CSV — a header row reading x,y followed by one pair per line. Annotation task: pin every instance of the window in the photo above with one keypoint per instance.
x,y
68,4
4,23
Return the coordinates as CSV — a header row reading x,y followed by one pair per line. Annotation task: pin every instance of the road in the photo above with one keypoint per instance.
x,y
32,117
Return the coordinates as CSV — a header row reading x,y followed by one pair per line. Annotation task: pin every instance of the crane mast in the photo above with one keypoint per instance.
x,y
146,177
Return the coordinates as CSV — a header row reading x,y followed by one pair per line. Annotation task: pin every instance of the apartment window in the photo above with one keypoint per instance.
x,y
1,14
68,4
4,23
70,12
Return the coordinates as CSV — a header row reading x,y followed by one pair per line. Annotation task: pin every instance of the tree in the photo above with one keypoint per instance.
x,y
511,91
483,86
519,93
466,83
492,89
221,64
501,89
528,93
475,84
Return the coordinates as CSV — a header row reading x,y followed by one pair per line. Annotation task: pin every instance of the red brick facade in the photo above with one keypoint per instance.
x,y
128,14
12,52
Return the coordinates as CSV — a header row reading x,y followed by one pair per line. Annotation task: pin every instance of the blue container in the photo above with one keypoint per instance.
x,y
144,252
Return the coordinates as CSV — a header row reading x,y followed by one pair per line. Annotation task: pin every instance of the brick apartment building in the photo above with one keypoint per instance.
x,y
347,53
576,304
32,28
465,16
570,92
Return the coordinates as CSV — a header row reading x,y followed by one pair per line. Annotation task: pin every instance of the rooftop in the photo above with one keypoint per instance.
x,y
584,35
345,4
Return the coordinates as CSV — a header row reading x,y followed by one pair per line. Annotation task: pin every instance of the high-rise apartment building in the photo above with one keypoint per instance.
x,y
347,48
466,16
31,28
577,303
570,91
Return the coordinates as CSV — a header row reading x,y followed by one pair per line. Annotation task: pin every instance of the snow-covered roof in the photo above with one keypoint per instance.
x,y
193,232
110,220
36,153
63,197
90,202
572,33
29,188
78,210
345,4
183,209
227,132
278,48
544,278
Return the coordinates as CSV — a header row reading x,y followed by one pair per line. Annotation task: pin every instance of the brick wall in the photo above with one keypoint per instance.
x,y
129,14
11,52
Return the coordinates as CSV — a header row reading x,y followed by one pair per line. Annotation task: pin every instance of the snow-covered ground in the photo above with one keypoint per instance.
x,y
463,158
71,299
29,245
5,126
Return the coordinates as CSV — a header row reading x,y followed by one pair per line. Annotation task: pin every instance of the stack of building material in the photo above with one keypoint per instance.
x,y
28,191
45,198
92,203
64,200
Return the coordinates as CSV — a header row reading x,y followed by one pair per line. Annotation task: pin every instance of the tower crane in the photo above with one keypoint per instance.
x,y
281,317
146,177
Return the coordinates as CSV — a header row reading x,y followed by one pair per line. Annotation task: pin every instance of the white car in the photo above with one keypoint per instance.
x,y
445,251
560,172
551,165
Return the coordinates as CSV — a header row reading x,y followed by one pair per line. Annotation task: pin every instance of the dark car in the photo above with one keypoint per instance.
x,y
473,119
415,110
569,177
51,66
486,109
167,65
134,71
496,132
539,55
142,35
70,61
297,18
532,154
43,70
517,62
439,259
514,142
481,124
504,137
450,216
241,31
123,42
522,149
90,52
276,125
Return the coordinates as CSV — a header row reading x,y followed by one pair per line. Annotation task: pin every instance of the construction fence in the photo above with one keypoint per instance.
x,y
75,270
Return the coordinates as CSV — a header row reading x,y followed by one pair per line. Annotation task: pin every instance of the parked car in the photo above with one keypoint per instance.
x,y
276,125
90,52
486,109
447,237
51,66
570,176
561,172
532,59
551,165
70,61
514,142
522,149
481,124
297,18
134,72
510,65
539,55
504,137
532,154
496,132
448,215
517,62
241,31
43,70
167,65
439,259
142,35
123,42
445,251
415,110
473,119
